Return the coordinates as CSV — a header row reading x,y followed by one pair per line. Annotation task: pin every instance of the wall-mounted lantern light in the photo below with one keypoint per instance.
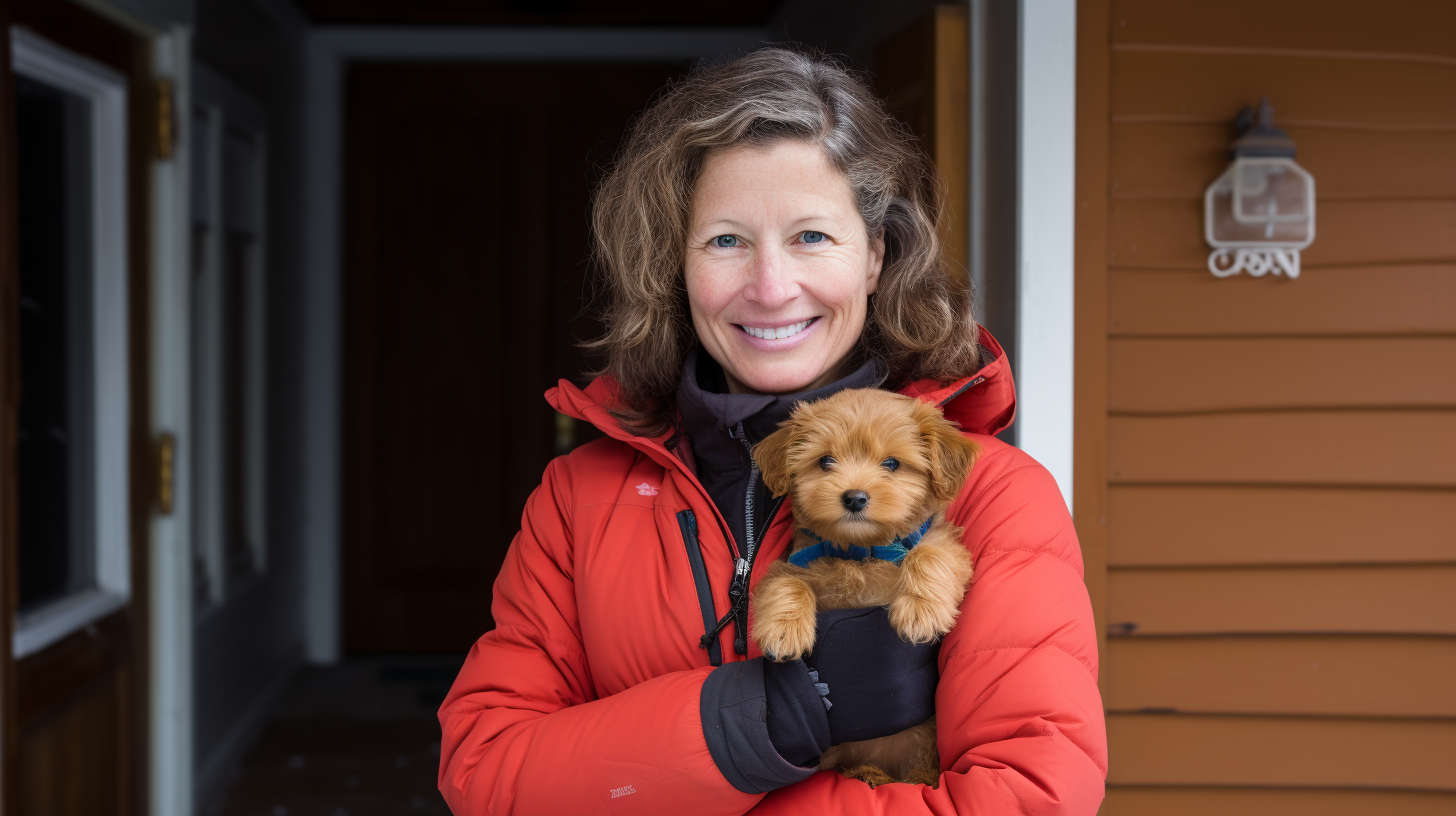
x,y
1259,214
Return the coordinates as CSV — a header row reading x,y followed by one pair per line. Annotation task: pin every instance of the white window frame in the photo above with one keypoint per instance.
x,y
227,106
41,60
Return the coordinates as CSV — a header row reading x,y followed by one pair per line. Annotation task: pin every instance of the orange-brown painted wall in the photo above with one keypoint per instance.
x,y
1266,474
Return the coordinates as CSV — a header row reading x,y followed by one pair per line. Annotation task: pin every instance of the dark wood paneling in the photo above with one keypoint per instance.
x,y
1169,234
70,761
1181,160
1205,801
1202,525
1402,26
1351,301
465,274
1186,749
1374,599
1345,676
1398,448
1235,374
1194,86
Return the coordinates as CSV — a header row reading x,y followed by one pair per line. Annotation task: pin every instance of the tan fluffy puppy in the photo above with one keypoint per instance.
x,y
867,468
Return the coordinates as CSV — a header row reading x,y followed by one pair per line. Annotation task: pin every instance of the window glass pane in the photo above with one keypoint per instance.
x,y
56,442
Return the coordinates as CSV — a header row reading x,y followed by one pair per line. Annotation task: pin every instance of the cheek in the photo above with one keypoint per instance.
x,y
844,290
711,286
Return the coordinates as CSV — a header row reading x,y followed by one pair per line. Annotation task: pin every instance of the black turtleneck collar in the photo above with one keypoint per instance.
x,y
718,424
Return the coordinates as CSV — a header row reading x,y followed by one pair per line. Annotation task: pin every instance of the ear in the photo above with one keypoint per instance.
x,y
772,456
876,263
951,454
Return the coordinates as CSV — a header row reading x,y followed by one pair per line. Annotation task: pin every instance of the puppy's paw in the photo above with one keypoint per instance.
x,y
785,637
921,620
784,619
869,774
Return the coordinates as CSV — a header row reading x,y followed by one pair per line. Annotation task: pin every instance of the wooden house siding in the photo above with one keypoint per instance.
x,y
1266,477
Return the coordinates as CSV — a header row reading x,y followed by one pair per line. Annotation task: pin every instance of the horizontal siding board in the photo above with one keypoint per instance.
x,y
1415,448
1214,87
1204,801
1404,599
1168,233
1335,676
1415,299
1157,160
1150,526
1402,26
1183,749
1150,375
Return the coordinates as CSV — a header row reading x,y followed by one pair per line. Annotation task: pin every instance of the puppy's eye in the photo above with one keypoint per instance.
x,y
892,464
826,462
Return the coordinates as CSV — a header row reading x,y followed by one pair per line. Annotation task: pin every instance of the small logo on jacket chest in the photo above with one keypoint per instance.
x,y
646,489
623,791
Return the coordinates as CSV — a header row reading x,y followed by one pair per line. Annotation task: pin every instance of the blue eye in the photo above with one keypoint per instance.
x,y
726,241
812,237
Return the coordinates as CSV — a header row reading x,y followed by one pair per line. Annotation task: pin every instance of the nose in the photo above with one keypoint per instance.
x,y
855,500
772,283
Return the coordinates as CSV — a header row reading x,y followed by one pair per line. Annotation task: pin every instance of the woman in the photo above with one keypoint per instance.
x,y
768,236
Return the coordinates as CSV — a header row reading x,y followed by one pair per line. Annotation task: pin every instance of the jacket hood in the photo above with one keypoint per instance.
x,y
983,403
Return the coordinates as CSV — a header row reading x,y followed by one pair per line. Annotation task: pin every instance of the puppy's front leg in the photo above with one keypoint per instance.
x,y
784,614
932,584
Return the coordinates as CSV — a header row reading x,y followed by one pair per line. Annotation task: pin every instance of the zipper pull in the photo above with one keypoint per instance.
x,y
738,590
738,596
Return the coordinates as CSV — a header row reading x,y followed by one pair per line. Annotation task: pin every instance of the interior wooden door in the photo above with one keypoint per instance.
x,y
74,449
468,191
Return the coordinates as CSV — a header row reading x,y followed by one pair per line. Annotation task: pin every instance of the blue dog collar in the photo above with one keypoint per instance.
x,y
894,552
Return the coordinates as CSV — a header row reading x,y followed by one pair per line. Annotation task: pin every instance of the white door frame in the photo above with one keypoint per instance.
x,y
1045,220
171,762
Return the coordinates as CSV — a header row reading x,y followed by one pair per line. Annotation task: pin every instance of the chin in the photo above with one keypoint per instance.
x,y
771,379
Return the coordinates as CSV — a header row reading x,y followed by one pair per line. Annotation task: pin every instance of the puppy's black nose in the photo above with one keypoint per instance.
x,y
855,500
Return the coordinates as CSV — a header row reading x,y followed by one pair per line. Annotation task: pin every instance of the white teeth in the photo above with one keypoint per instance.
x,y
779,333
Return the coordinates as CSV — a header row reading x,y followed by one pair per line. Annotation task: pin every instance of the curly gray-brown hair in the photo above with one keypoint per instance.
x,y
920,321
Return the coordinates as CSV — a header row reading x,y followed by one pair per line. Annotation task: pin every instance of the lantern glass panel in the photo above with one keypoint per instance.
x,y
1270,191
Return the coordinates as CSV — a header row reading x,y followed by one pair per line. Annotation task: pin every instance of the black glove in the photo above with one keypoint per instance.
x,y
878,684
875,684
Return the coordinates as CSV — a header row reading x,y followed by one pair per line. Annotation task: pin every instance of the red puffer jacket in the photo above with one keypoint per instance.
x,y
585,697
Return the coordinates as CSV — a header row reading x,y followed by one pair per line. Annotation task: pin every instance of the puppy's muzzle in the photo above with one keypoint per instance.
x,y
854,500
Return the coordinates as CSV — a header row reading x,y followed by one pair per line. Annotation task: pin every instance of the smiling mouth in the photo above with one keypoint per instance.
x,y
780,333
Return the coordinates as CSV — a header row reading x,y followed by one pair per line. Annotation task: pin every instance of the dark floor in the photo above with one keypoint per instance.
x,y
358,739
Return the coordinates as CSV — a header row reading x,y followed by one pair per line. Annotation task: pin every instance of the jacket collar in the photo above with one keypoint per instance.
x,y
983,403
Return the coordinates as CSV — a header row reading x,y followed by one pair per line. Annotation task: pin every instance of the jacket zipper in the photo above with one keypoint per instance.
x,y
688,524
743,568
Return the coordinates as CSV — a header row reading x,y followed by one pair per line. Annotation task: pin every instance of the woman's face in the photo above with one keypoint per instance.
x,y
779,268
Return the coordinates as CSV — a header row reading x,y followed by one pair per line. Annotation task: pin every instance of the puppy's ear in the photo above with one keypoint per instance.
x,y
772,456
951,454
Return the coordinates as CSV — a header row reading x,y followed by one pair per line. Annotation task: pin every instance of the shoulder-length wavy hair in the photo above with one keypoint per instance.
x,y
919,322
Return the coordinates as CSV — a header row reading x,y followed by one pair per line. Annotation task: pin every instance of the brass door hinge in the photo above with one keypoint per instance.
x,y
166,456
166,128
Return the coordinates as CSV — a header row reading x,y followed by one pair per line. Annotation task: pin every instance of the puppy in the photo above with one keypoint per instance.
x,y
867,469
